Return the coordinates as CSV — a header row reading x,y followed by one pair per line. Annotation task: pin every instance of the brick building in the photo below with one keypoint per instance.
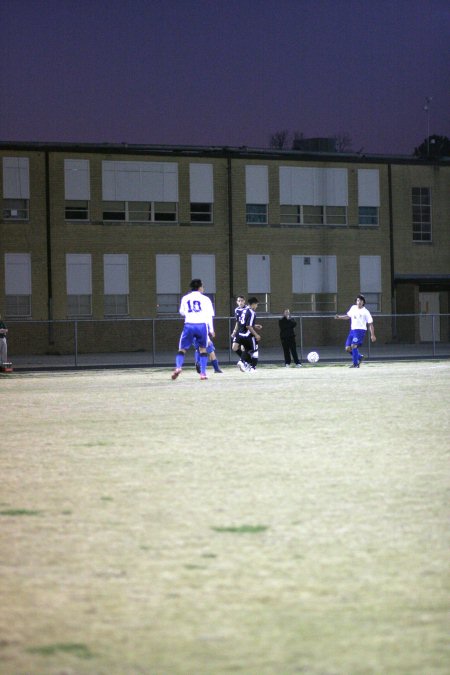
x,y
106,231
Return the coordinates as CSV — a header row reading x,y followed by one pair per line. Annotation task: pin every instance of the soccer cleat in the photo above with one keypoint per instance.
x,y
251,370
287,365
353,366
197,368
175,373
299,365
203,376
242,367
218,371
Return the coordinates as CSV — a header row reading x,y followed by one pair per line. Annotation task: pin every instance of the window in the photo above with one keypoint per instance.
x,y
370,281
368,215
168,303
18,306
114,211
335,215
368,196
256,214
79,305
16,188
203,266
115,284
315,302
17,285
258,280
256,194
164,212
168,283
76,209
314,283
140,212
421,214
15,209
201,186
201,212
77,191
79,284
116,305
293,215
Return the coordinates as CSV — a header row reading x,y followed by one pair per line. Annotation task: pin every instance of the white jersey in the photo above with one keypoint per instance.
x,y
360,317
197,308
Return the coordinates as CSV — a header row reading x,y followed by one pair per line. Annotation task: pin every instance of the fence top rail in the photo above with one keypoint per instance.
x,y
217,318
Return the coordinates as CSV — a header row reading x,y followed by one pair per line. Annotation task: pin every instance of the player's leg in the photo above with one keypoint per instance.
x,y
254,354
214,362
197,360
349,343
183,345
286,352
295,355
357,340
202,337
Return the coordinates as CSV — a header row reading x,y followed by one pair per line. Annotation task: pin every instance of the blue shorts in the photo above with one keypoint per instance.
x,y
356,337
191,332
209,349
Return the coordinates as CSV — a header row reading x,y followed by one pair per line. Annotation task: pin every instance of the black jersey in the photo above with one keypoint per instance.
x,y
239,314
247,318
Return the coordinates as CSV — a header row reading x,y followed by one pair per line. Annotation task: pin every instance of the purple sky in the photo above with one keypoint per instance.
x,y
224,72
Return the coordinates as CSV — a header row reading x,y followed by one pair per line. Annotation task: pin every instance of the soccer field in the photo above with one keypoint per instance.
x,y
286,521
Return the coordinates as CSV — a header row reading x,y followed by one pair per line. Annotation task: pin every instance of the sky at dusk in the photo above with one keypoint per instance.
x,y
224,72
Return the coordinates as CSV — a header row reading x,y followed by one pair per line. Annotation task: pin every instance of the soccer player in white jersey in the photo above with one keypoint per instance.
x,y
360,318
198,313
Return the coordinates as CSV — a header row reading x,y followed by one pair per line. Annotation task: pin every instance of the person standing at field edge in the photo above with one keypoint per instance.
x,y
3,343
360,318
198,313
287,337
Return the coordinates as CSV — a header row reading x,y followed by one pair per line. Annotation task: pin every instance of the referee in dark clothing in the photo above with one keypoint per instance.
x,y
287,337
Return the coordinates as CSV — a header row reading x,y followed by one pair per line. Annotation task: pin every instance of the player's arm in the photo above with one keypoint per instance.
x,y
254,333
345,317
372,332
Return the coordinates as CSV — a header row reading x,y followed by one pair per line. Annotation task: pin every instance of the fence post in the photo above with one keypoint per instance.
x,y
433,329
153,340
75,325
301,338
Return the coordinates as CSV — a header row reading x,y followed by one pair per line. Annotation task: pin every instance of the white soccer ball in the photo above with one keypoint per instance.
x,y
313,357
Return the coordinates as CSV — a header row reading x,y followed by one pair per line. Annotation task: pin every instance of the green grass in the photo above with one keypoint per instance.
x,y
241,529
293,521
19,512
79,650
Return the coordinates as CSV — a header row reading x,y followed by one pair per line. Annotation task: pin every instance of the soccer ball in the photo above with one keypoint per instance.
x,y
313,357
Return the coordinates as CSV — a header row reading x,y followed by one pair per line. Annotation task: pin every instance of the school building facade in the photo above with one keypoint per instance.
x,y
92,231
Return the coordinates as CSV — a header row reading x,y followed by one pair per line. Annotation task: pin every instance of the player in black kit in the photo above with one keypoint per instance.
x,y
247,337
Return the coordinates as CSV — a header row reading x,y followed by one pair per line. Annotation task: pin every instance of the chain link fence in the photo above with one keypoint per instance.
x,y
154,342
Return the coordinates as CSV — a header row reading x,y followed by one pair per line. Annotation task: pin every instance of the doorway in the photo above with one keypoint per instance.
x,y
429,304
